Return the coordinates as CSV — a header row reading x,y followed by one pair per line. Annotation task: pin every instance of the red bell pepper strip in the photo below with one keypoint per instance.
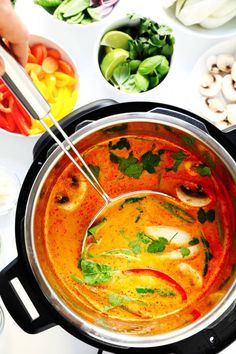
x,y
19,120
196,314
24,114
160,275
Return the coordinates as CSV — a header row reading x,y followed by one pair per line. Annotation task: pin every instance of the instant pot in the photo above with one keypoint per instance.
x,y
209,334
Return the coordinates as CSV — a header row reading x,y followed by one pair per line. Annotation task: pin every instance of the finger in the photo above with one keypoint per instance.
x,y
12,29
1,67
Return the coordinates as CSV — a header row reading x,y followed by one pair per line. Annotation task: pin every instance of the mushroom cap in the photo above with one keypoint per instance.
x,y
213,109
233,71
192,197
212,65
210,85
225,62
231,111
229,88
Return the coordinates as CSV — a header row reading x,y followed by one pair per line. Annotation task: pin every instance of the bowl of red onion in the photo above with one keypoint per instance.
x,y
85,12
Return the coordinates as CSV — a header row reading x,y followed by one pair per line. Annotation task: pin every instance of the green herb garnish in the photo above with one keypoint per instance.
x,y
203,170
194,241
135,246
177,212
150,160
158,245
131,201
185,251
95,273
178,157
161,292
129,166
204,216
95,228
121,144
207,254
95,170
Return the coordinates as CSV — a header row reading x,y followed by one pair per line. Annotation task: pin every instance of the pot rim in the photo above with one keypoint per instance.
x,y
96,332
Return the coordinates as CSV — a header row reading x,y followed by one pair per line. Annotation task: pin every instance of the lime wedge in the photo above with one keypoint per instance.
x,y
111,60
116,39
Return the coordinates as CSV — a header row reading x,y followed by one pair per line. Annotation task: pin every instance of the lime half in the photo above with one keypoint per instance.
x,y
116,39
111,60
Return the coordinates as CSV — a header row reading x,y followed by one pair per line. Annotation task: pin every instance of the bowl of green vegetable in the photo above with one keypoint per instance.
x,y
208,18
78,12
134,54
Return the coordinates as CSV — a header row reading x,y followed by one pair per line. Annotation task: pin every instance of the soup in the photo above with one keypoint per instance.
x,y
153,262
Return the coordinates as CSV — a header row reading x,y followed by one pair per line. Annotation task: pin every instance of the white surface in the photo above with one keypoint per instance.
x,y
81,43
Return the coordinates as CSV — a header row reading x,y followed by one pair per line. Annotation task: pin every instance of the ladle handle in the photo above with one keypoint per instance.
x,y
22,86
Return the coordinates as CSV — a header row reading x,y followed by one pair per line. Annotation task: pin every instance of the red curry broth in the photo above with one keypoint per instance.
x,y
184,247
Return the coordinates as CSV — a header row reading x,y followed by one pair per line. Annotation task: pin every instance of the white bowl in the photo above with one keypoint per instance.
x,y
49,43
200,69
110,90
224,31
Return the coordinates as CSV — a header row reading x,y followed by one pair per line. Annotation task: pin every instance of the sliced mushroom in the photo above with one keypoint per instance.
x,y
213,109
193,195
231,110
229,88
72,198
210,85
212,65
176,254
225,62
233,71
189,271
172,234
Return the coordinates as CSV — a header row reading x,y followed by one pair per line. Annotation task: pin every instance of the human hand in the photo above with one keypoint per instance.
x,y
14,31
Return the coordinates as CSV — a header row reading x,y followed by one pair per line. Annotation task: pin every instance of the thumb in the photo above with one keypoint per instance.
x,y
2,70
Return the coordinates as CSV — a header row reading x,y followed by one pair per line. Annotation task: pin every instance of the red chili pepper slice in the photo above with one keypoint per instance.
x,y
160,275
196,314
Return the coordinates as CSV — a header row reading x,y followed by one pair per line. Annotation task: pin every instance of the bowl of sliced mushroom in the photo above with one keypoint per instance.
x,y
214,85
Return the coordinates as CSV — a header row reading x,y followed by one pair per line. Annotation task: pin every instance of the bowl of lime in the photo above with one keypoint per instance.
x,y
135,54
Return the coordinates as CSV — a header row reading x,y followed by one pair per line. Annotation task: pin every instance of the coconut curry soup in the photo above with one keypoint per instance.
x,y
153,262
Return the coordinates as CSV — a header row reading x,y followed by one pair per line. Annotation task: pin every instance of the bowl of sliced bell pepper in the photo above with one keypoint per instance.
x,y
54,73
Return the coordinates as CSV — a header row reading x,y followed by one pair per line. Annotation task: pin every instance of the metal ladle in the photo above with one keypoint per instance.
x,y
34,103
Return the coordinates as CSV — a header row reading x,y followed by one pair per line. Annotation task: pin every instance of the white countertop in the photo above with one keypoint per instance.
x,y
16,154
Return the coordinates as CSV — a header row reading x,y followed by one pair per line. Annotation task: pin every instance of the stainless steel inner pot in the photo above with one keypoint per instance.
x,y
161,125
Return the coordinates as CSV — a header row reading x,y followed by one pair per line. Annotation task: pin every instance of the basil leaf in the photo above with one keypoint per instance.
x,y
163,67
177,212
141,236
153,81
134,64
131,201
94,229
141,82
121,73
178,156
149,65
129,85
135,246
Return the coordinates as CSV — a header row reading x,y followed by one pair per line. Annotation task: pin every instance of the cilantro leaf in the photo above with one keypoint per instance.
x,y
178,156
158,245
121,144
95,273
185,251
129,166
150,160
203,170
141,236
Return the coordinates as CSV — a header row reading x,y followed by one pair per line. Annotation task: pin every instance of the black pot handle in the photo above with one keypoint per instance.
x,y
14,304
180,115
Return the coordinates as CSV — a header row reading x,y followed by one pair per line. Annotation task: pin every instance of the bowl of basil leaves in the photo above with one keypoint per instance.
x,y
135,54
